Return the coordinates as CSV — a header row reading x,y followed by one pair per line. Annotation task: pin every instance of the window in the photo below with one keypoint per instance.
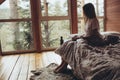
x,y
99,7
54,22
37,25
16,26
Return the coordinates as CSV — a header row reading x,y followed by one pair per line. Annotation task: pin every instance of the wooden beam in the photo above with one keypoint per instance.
x,y
74,19
35,25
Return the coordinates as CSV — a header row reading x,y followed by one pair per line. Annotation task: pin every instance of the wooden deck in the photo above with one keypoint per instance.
x,y
18,67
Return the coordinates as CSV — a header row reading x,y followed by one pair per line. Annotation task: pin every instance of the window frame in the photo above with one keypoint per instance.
x,y
36,17
19,20
68,17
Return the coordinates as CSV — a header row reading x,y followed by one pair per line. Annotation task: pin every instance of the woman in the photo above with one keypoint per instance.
x,y
92,36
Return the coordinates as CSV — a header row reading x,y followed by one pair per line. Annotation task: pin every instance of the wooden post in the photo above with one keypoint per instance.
x,y
35,24
74,17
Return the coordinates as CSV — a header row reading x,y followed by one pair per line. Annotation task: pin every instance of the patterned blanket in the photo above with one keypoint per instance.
x,y
92,63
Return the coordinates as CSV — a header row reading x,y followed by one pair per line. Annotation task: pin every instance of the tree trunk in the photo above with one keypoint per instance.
x,y
47,35
14,25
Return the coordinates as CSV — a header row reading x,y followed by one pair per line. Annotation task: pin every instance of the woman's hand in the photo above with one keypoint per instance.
x,y
74,38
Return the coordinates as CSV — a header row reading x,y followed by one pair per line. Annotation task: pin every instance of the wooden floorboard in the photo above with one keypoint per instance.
x,y
38,60
31,65
8,67
15,73
18,67
24,70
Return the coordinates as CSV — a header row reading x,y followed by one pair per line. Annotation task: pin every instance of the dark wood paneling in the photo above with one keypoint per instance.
x,y
112,13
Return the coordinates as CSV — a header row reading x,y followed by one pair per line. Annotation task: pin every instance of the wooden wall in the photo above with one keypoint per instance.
x,y
112,13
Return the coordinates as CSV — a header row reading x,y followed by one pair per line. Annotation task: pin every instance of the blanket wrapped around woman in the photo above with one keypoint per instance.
x,y
92,63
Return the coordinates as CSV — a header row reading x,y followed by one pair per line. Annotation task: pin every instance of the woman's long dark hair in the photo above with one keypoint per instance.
x,y
89,10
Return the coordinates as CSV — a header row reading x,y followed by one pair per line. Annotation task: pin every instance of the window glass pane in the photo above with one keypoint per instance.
x,y
101,7
81,25
16,36
52,31
101,23
13,9
90,1
54,7
80,4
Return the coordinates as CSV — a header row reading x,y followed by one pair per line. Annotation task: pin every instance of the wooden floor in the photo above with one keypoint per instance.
x,y
18,67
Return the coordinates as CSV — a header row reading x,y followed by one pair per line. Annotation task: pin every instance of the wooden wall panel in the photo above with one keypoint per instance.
x,y
112,13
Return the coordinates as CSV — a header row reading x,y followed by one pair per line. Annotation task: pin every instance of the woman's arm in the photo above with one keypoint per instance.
x,y
74,38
